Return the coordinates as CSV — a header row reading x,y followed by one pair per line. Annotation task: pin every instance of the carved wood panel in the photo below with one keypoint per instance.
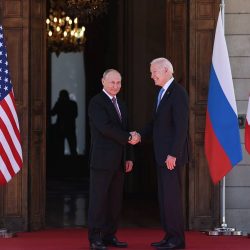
x,y
13,209
203,195
190,29
25,40
176,38
38,113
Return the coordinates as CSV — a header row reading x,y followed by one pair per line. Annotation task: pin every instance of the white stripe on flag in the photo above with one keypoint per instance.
x,y
4,170
12,133
12,109
8,152
221,64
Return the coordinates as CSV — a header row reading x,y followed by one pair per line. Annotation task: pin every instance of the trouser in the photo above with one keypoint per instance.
x,y
170,202
106,188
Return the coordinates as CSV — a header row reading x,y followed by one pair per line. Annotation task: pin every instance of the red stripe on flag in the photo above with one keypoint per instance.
x,y
8,112
2,179
219,163
10,143
247,128
6,161
247,136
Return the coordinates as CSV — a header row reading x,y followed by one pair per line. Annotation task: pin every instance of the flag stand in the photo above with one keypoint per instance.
x,y
224,229
4,232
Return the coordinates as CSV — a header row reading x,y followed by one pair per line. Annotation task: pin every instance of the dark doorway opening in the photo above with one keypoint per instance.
x,y
67,177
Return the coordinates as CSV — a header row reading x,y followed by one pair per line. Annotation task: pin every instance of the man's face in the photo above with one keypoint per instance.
x,y
112,83
159,74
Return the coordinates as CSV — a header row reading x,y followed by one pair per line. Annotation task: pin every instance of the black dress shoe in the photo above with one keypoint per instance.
x,y
159,243
170,245
97,245
114,242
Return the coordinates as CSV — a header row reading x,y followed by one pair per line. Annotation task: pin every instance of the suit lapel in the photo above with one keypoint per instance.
x,y
122,110
112,107
166,96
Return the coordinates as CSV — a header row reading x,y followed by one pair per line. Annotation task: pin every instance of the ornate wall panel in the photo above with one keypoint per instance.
x,y
12,9
189,41
176,38
14,194
22,199
38,113
203,195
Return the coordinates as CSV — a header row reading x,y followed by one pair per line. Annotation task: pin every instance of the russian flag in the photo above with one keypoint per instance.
x,y
247,128
222,138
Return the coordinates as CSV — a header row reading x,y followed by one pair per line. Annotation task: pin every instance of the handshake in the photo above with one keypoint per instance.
x,y
134,138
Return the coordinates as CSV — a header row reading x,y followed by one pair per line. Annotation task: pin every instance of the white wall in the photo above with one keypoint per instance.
x,y
67,72
237,30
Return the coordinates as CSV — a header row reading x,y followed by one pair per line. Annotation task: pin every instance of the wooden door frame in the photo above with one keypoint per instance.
x,y
204,196
190,27
38,114
23,198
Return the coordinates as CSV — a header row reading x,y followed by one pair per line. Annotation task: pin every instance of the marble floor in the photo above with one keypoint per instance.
x,y
67,197
67,203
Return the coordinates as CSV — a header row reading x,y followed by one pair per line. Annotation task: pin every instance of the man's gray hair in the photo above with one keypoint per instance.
x,y
163,62
106,72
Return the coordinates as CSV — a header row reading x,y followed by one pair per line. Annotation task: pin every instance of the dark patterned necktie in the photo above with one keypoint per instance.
x,y
116,107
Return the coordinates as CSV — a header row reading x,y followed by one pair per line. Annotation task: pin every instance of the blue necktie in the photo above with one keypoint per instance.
x,y
159,97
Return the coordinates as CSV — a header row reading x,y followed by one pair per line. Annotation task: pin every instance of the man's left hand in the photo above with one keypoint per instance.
x,y
170,162
128,166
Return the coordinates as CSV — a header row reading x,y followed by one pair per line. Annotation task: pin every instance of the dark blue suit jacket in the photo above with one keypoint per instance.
x,y
169,126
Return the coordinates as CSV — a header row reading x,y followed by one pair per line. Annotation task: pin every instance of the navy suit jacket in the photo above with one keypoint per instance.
x,y
109,136
169,126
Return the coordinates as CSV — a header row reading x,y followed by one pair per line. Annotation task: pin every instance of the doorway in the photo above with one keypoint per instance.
x,y
66,194
67,170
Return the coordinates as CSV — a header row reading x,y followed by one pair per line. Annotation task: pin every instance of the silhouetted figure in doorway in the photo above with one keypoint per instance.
x,y
66,111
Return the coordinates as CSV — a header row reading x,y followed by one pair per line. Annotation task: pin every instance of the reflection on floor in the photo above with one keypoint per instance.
x,y
67,197
67,203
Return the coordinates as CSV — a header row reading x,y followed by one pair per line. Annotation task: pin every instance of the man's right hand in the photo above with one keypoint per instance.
x,y
136,138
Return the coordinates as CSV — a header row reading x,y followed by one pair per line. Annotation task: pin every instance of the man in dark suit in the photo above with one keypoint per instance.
x,y
169,128
110,157
65,126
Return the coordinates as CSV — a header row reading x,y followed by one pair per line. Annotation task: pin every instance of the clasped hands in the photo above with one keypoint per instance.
x,y
136,138
170,161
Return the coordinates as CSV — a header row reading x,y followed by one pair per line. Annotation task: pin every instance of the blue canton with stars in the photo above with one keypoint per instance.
x,y
5,82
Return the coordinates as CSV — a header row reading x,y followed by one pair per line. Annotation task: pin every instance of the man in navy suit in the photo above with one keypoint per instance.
x,y
110,157
169,129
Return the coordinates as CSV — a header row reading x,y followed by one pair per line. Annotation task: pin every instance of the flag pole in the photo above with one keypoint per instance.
x,y
223,189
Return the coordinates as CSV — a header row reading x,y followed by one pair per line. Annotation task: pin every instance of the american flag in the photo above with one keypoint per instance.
x,y
10,146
